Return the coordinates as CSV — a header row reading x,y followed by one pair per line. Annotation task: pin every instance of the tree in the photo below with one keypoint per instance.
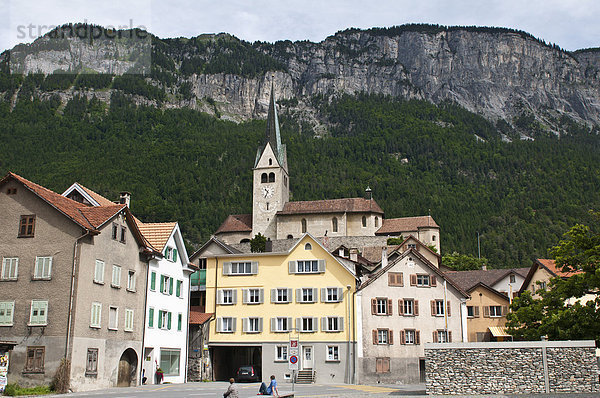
x,y
463,262
258,244
570,308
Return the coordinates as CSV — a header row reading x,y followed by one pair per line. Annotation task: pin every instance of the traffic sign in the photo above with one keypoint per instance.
x,y
293,362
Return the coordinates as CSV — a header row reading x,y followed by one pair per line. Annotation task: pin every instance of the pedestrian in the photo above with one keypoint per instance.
x,y
231,391
268,390
144,378
159,375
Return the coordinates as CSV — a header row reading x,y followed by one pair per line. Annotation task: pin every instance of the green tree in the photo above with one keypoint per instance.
x,y
463,262
258,243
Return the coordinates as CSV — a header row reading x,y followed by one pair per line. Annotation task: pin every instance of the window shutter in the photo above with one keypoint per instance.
x,y
476,311
400,307
151,317
448,307
260,324
152,281
170,286
162,284
402,337
417,337
435,336
433,280
391,279
373,306
244,325
245,296
219,297
254,267
298,324
160,319
292,267
178,290
340,294
234,295
504,310
169,320
289,322
273,324
315,325
449,336
432,307
261,296
227,268
374,336
400,278
315,293
289,295
486,311
340,323
324,324
321,265
174,255
299,295
323,295
416,307
390,310
233,322
413,280
273,295
391,336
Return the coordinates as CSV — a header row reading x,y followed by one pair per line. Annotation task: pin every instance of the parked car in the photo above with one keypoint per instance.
x,y
248,373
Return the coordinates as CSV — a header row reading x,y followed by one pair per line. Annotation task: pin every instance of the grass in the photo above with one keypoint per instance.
x,y
14,390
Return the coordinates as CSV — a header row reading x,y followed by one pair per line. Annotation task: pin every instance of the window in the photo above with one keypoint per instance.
x,y
383,336
178,291
281,295
115,231
35,359
113,318
364,221
226,296
27,226
376,221
39,313
10,268
202,263
543,285
179,321
472,311
116,276
7,309
131,281
166,284
285,182
128,320
270,162
332,324
307,266
381,306
423,280
43,268
171,254
331,294
263,178
412,245
382,365
226,325
306,324
96,315
253,296
91,365
512,278
252,325
495,311
240,268
281,353
164,320
99,272
334,224
306,295
281,324
151,317
153,281
433,238
11,191
123,233
439,309
408,307
303,225
333,353
271,177
308,246
442,336
169,362
395,279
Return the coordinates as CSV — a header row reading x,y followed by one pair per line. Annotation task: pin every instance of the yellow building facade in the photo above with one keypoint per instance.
x,y
486,314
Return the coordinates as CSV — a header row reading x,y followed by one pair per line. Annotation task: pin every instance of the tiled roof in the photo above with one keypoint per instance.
x,y
102,201
156,234
373,253
467,279
236,223
99,215
551,265
348,205
405,224
197,317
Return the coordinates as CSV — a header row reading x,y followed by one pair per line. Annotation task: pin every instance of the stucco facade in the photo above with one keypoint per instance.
x,y
479,314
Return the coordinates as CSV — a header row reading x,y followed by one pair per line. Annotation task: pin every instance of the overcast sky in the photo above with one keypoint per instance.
x,y
572,24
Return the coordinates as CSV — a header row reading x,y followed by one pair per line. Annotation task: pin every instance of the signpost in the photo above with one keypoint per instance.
x,y
293,359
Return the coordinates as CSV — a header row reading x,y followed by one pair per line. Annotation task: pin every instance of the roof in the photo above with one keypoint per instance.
x,y
346,205
197,317
550,266
156,234
467,279
503,296
373,253
101,200
499,331
213,239
273,136
236,223
404,224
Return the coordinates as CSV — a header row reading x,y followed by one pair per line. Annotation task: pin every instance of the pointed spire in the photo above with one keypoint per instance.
x,y
272,134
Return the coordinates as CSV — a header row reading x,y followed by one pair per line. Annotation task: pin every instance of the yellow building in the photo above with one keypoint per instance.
x,y
486,314
261,301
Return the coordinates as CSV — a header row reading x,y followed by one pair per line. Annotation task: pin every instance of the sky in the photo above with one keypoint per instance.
x,y
572,24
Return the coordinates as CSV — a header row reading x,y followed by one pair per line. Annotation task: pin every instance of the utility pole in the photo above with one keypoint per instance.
x,y
478,247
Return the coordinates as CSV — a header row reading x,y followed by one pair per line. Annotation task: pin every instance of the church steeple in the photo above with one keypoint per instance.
x,y
272,135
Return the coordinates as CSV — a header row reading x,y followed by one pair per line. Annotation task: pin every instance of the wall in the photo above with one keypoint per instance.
x,y
512,368
477,326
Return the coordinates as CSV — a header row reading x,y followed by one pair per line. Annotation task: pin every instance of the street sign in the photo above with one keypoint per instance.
x,y
293,347
293,362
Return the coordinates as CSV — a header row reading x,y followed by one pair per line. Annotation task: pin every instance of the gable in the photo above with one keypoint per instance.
x,y
263,160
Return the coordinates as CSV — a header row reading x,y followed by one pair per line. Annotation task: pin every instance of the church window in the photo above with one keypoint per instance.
x,y
270,162
271,177
334,224
285,180
433,238
263,177
267,205
304,225
364,221
377,222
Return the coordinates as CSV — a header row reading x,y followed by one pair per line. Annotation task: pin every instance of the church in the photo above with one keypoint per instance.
x,y
277,218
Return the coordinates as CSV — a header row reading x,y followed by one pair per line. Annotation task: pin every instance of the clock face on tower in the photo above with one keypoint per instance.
x,y
267,192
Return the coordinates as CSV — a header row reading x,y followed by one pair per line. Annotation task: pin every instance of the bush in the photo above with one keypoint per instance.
x,y
13,390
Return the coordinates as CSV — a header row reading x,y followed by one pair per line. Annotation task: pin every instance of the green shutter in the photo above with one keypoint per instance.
x,y
153,280
170,286
169,320
179,322
151,317
178,291
160,319
174,254
162,284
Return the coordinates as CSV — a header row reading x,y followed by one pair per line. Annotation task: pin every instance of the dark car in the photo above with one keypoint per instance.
x,y
248,373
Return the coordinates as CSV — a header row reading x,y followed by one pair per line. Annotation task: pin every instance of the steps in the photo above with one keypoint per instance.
x,y
305,377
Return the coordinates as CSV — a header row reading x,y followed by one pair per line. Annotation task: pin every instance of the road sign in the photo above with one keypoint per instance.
x,y
293,362
293,343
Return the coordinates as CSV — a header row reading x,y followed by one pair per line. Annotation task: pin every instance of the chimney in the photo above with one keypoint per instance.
x,y
341,252
354,254
125,198
269,245
384,259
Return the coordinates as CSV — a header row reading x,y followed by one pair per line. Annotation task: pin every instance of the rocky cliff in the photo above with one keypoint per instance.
x,y
499,73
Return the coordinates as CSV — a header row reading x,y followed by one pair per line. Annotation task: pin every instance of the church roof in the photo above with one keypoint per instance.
x,y
346,205
404,224
273,136
236,223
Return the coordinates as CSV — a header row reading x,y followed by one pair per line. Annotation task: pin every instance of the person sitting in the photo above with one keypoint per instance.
x,y
268,390
231,391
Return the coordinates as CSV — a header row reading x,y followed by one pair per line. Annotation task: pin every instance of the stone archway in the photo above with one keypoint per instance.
x,y
127,368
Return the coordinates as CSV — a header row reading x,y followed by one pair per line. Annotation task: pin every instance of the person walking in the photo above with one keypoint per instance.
x,y
231,391
270,389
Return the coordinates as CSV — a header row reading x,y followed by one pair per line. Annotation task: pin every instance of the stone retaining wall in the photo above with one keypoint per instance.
x,y
512,367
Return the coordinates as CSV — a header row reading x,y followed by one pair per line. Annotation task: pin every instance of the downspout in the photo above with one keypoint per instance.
x,y
144,324
348,362
72,294
353,374
214,316
187,331
445,305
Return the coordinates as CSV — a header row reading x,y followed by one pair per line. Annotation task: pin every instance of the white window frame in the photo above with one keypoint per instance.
x,y
116,325
99,272
253,296
301,266
8,313
226,325
128,320
440,308
383,336
332,324
408,304
382,306
442,336
170,254
304,322
116,276
43,267
96,315
332,294
226,296
131,280
278,322
237,268
10,268
423,280
471,309
281,353
303,293
252,325
277,295
496,312
164,319
333,353
409,336
38,320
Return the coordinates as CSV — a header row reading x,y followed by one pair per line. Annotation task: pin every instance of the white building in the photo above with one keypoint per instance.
x,y
167,305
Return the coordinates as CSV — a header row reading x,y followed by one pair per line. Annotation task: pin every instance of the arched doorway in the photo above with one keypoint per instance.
x,y
127,368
